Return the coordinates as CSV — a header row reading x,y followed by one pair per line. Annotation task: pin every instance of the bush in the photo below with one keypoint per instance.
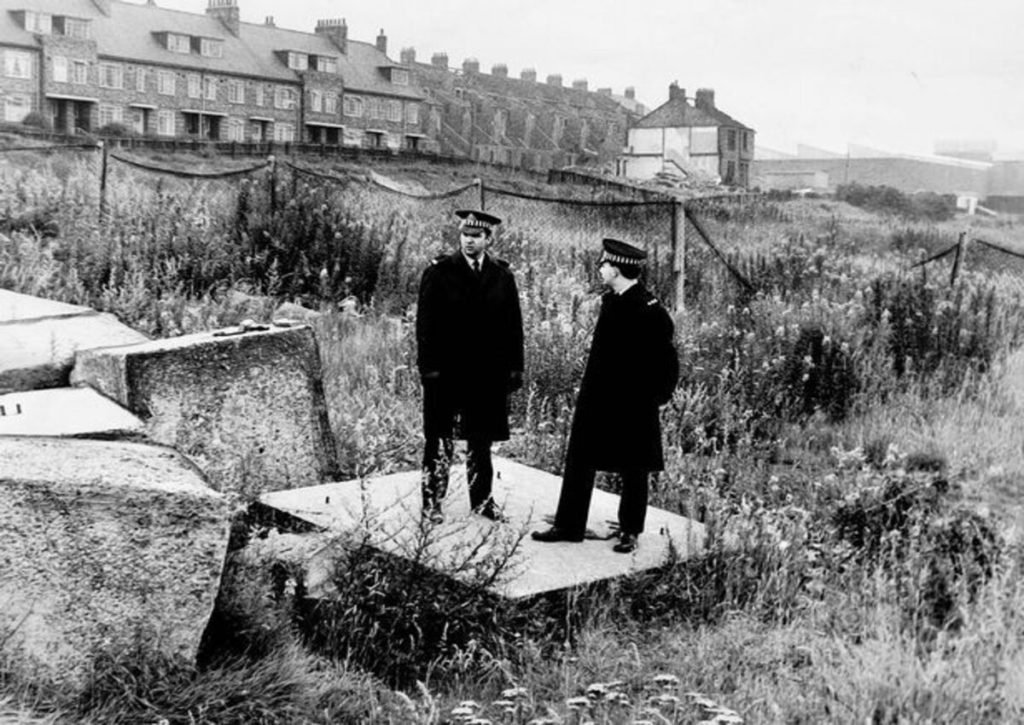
x,y
115,129
35,119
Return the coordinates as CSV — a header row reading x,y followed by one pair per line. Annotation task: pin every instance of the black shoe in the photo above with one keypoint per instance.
x,y
555,534
490,510
627,544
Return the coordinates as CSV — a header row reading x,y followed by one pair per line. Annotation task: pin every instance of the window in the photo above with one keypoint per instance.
x,y
166,83
353,106
210,89
284,97
111,75
400,76
298,61
260,95
331,104
374,109
730,140
746,141
16,107
109,113
500,123
140,79
236,129
165,123
71,27
326,64
394,109
412,114
79,72
38,22
211,48
60,69
179,43
17,64
316,101
194,84
236,92
284,132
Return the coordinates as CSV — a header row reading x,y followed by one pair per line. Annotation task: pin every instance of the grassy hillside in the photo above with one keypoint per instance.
x,y
851,424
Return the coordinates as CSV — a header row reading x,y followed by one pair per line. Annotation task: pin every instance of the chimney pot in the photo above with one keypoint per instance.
x,y
529,75
675,92
705,98
439,60
580,84
336,31
604,91
499,70
630,93
382,42
470,65
555,79
408,56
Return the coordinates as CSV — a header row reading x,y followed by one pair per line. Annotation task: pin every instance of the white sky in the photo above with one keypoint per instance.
x,y
893,74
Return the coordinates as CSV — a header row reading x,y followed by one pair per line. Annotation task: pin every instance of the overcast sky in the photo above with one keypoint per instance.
x,y
893,74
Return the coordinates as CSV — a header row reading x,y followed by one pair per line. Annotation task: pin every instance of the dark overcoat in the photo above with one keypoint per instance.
x,y
631,370
469,335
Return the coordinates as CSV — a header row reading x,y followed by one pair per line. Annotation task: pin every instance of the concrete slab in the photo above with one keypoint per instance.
x,y
246,404
105,544
386,511
39,338
68,412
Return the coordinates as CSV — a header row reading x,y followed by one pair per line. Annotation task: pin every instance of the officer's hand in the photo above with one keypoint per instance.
x,y
515,381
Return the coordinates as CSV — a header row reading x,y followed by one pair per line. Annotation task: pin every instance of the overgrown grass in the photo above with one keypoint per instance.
x,y
847,429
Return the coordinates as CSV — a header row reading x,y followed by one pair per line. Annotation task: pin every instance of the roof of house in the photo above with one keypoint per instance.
x,y
129,32
677,113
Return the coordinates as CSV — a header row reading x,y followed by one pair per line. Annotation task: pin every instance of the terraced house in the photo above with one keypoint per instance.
x,y
88,64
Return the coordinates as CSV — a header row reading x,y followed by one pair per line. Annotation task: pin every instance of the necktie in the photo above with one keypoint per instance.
x,y
476,266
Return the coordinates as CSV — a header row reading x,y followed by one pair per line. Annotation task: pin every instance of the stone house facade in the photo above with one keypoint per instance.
x,y
520,121
684,139
86,64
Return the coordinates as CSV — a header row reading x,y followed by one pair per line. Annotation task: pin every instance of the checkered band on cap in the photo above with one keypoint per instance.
x,y
619,252
473,219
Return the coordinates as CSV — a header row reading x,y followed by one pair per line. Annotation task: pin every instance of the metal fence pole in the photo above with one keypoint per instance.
x,y
957,258
104,160
679,255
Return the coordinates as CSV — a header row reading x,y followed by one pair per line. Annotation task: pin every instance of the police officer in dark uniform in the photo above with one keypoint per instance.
x,y
469,334
632,369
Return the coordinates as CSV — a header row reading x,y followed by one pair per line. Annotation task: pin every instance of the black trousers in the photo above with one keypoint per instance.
x,y
437,459
578,488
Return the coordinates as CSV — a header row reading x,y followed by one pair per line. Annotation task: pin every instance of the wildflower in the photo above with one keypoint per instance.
x,y
597,691
462,712
513,693
471,704
578,703
504,704
666,680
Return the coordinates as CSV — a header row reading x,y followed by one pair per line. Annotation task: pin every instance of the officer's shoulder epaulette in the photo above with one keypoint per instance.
x,y
652,301
438,258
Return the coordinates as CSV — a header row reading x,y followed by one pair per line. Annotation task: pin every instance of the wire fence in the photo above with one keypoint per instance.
x,y
567,231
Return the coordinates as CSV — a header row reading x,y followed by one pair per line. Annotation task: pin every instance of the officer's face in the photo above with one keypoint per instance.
x,y
474,242
607,271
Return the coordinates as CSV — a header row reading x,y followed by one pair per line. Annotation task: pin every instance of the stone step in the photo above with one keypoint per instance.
x,y
65,412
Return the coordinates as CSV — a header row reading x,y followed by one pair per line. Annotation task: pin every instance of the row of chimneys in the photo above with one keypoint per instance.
x,y
500,70
336,29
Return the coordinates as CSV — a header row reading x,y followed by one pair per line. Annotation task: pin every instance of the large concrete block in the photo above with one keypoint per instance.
x,y
247,407
39,338
105,545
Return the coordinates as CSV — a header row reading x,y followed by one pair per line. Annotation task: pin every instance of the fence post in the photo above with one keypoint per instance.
x,y
104,151
273,183
679,255
957,258
480,191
